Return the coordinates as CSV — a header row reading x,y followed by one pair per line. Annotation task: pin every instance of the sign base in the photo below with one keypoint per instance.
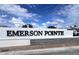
x,y
10,43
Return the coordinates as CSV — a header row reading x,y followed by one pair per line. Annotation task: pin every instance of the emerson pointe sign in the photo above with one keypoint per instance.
x,y
34,33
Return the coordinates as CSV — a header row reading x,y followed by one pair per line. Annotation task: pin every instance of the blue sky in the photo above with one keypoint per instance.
x,y
39,15
46,11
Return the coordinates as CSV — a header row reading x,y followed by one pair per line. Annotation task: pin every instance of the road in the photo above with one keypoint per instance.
x,y
74,50
61,51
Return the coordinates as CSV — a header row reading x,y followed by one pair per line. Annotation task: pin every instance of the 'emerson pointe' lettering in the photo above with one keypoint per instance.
x,y
24,33
50,33
33,33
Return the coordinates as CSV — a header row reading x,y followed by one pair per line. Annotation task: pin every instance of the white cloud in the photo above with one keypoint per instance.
x,y
16,10
44,24
17,22
19,12
57,22
3,15
35,24
36,20
33,6
59,26
72,14
2,20
49,23
53,22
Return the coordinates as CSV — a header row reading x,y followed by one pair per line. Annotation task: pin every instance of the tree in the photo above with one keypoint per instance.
x,y
51,27
3,25
30,26
27,26
24,26
75,25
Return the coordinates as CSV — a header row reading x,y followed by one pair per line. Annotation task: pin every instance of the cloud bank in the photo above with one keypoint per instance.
x,y
17,13
57,23
71,12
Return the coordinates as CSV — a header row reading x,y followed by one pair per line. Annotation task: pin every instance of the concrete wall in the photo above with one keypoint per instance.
x,y
64,41
8,43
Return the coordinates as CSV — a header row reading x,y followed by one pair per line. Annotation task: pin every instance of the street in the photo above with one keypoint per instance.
x,y
69,52
74,50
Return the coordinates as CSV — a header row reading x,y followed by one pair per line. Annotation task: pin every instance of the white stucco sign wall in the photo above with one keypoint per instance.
x,y
33,33
21,36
